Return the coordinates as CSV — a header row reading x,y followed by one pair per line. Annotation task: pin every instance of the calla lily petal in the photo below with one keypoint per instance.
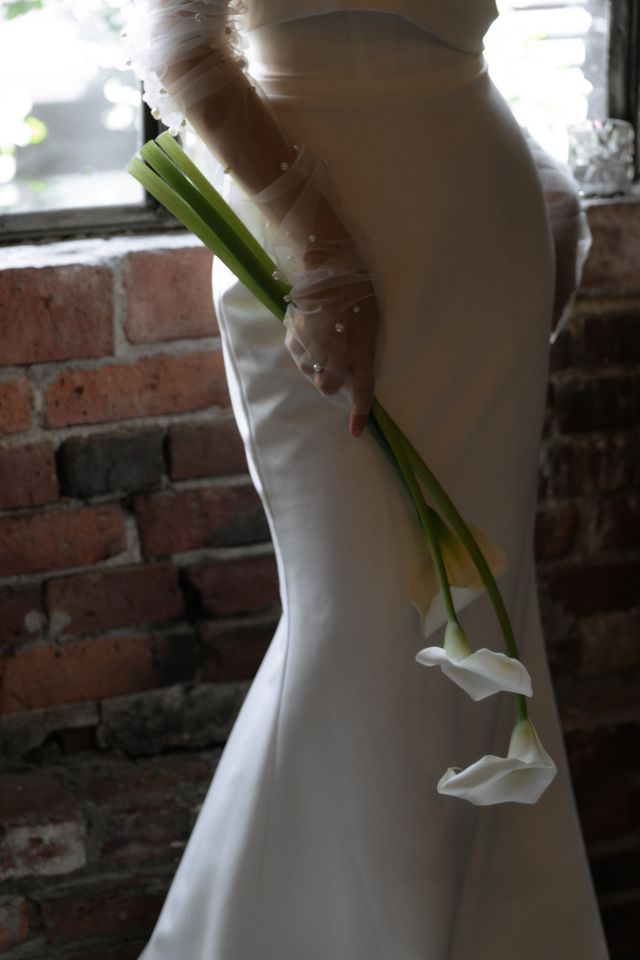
x,y
480,674
466,584
520,777
461,570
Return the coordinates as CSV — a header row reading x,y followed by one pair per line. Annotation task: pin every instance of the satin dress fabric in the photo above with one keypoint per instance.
x,y
322,836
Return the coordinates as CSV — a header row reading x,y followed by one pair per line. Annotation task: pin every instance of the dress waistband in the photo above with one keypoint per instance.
x,y
307,86
351,52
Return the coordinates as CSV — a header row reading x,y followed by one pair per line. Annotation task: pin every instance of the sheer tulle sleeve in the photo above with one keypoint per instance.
x,y
570,228
200,36
188,54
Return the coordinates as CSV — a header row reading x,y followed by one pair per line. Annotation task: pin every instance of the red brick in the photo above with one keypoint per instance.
x,y
595,588
177,521
96,909
620,921
206,450
145,832
14,922
556,528
47,674
233,652
593,702
612,266
612,338
32,797
609,645
118,597
169,295
236,586
28,475
127,461
615,870
576,466
602,403
147,388
43,828
114,782
60,538
602,770
15,405
55,313
130,949
20,613
618,524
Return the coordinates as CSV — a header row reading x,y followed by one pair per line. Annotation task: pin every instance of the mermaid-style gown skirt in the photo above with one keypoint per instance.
x,y
322,836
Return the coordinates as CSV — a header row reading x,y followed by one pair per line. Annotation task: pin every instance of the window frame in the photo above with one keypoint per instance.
x,y
71,224
624,66
151,217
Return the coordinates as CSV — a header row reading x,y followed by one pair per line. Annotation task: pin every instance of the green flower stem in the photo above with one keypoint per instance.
x,y
176,179
185,164
183,211
393,436
453,517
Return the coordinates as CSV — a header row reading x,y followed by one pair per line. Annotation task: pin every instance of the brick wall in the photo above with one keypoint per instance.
x,y
138,589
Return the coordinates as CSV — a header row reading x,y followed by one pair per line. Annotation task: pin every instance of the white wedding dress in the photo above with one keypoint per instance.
x,y
322,836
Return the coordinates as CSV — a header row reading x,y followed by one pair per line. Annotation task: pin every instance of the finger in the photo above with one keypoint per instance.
x,y
328,383
362,392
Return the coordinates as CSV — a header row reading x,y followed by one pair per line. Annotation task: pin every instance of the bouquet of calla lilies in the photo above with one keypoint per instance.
x,y
461,556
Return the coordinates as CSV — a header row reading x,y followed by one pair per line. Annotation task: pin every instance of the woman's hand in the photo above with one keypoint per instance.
x,y
332,334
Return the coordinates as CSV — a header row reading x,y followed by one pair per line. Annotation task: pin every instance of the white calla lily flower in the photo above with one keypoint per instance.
x,y
520,777
480,674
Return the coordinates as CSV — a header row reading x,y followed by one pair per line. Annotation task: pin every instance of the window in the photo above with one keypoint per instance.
x,y
71,116
549,58
71,113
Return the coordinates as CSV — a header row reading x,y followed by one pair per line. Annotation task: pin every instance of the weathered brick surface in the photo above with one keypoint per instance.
x,y
618,524
236,586
593,465
47,674
149,387
22,733
233,652
117,597
205,450
101,908
145,724
592,340
609,645
169,295
43,828
55,313
16,402
612,266
122,462
27,475
60,538
143,832
599,765
20,613
600,403
584,588
556,528
14,922
612,338
177,521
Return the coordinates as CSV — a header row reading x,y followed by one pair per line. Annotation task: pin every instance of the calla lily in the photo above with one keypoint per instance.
x,y
462,574
480,674
520,777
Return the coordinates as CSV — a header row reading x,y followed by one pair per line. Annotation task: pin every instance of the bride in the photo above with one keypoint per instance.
x,y
377,162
